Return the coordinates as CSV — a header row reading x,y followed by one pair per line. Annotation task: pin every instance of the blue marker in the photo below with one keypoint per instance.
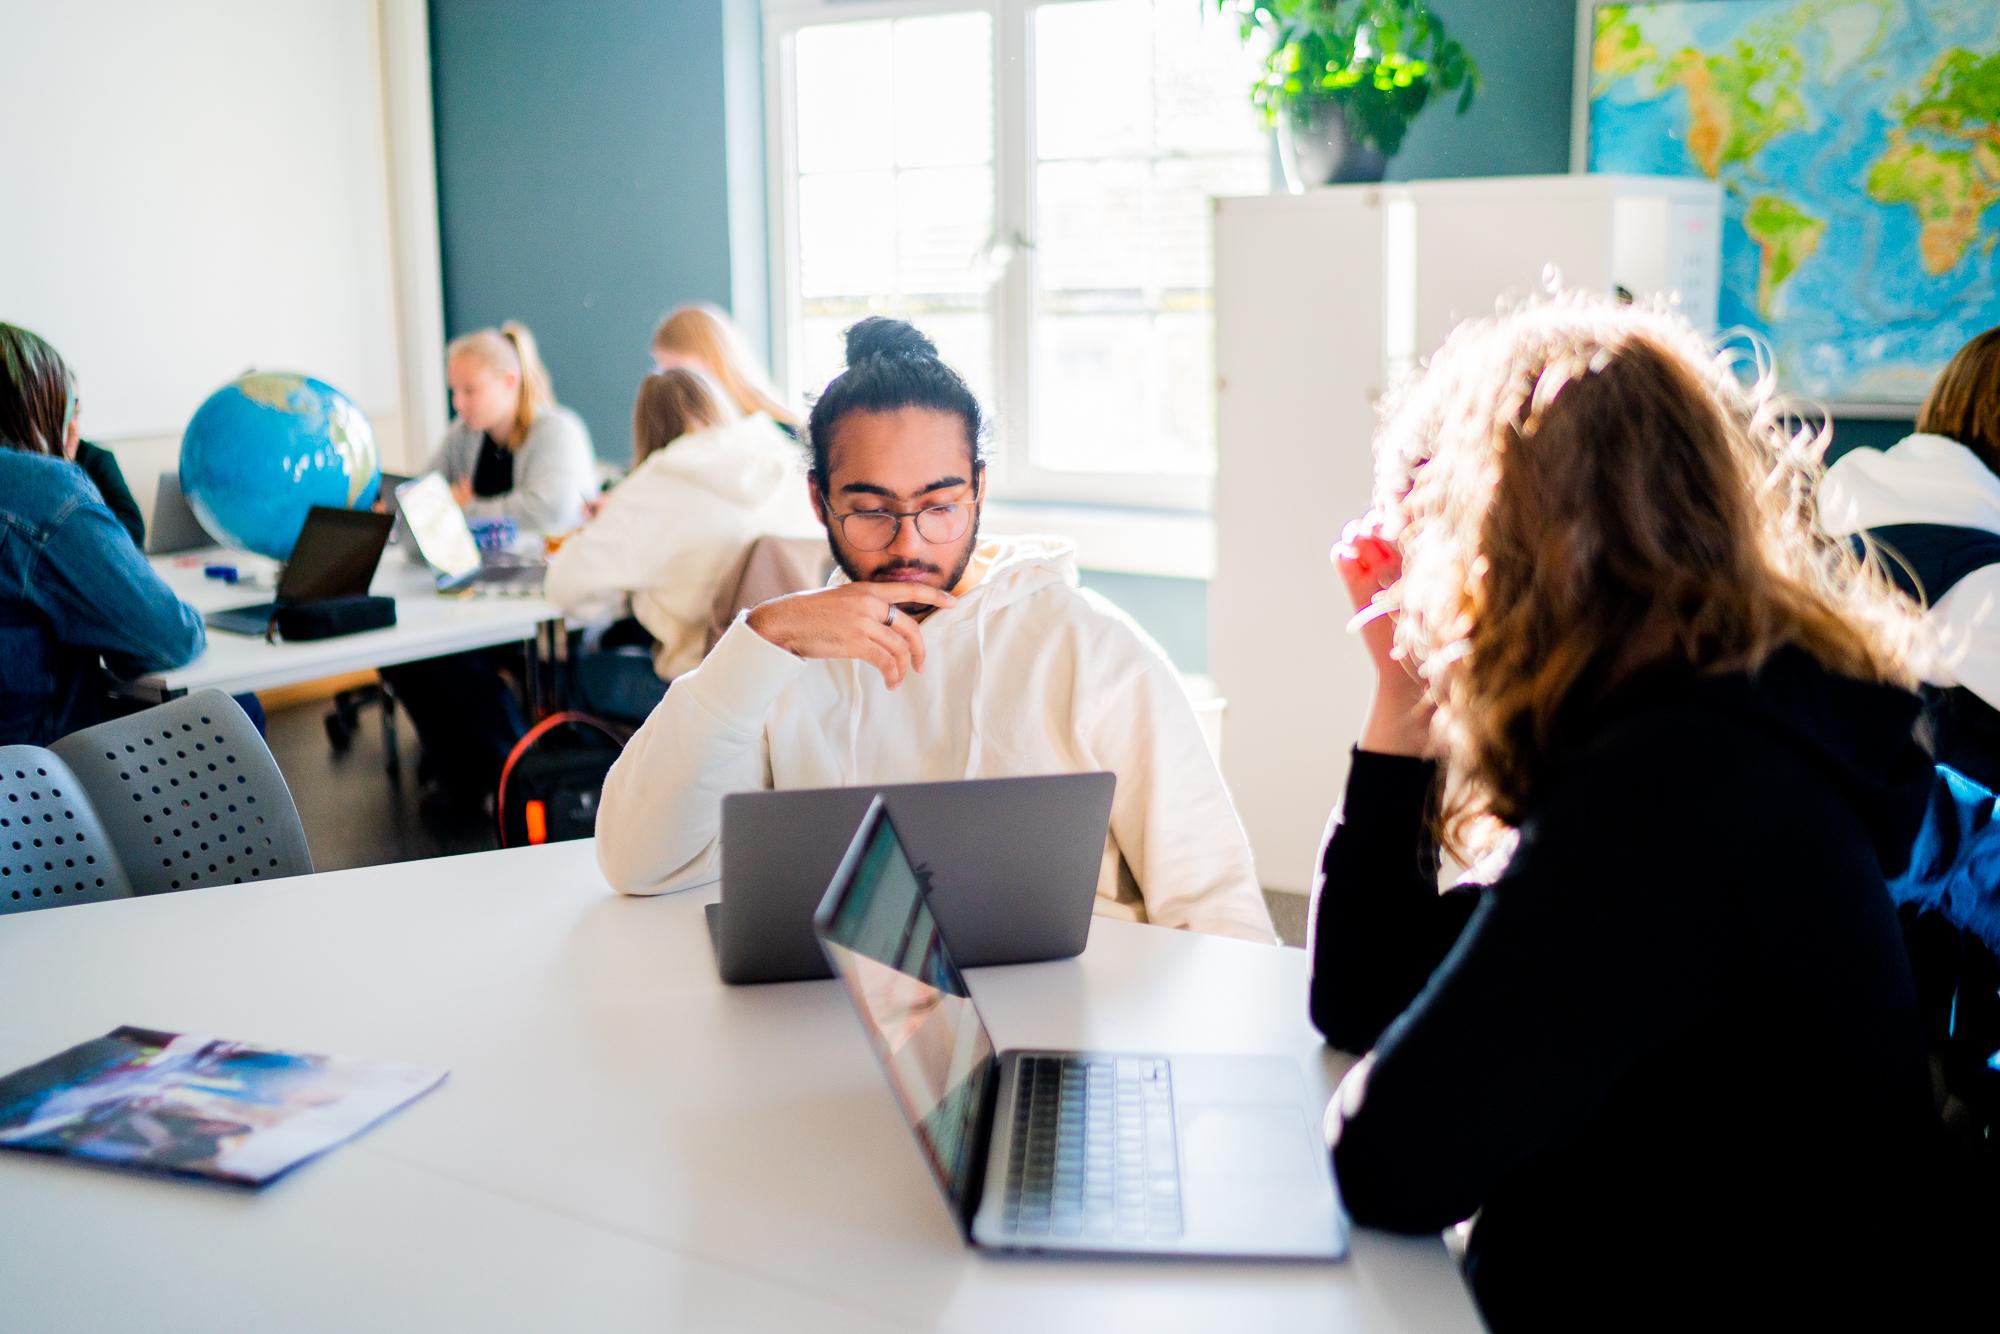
x,y
226,573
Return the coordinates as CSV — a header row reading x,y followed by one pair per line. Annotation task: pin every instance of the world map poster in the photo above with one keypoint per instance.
x,y
1858,146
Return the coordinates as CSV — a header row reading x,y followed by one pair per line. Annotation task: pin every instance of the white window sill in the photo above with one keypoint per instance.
x,y
1174,544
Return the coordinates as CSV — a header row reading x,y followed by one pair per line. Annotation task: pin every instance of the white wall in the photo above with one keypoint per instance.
x,y
202,187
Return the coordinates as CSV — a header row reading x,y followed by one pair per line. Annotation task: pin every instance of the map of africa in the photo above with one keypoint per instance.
x,y
1858,146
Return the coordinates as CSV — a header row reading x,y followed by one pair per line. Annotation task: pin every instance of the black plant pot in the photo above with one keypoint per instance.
x,y
1320,152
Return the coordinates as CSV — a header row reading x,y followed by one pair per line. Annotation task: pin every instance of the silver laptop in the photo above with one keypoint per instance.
x,y
1011,862
442,536
1138,1153
174,527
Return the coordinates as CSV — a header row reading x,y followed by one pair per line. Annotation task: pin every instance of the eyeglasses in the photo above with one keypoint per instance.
x,y
875,530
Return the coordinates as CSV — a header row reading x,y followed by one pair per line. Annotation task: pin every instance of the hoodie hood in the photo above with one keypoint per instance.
x,y
742,462
1003,571
1920,479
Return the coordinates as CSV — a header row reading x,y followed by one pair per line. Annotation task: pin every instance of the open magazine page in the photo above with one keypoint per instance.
x,y
196,1106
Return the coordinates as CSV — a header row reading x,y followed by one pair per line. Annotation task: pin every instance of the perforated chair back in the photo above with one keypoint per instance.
x,y
53,847
190,795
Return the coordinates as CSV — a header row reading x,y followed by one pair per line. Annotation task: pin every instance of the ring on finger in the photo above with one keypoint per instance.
x,y
890,619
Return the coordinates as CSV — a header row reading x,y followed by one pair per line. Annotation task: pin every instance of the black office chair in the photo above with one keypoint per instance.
x,y
343,720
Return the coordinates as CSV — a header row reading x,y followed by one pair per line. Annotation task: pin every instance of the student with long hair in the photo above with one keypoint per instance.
x,y
1670,1056
1932,503
76,597
704,484
700,337
513,451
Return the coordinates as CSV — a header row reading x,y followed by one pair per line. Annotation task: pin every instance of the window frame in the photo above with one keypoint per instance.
x,y
1013,475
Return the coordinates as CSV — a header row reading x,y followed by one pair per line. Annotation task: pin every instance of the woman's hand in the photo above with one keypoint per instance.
x,y
461,491
1371,565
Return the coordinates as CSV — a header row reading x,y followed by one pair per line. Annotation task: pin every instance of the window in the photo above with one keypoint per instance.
x,y
1028,182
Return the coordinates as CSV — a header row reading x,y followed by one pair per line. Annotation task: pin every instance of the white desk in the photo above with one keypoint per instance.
x,y
428,625
623,1142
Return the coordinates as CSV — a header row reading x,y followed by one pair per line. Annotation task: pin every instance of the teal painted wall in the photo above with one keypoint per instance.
x,y
599,161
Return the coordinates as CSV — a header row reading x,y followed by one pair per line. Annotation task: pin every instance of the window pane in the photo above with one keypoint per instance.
x,y
847,234
1094,78
944,218
1203,77
845,103
899,225
1150,120
944,90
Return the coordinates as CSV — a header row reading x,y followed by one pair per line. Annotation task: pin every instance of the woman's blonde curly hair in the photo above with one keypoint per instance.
x,y
1584,488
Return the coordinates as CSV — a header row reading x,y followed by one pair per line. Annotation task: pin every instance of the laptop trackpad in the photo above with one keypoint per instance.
x,y
1249,1145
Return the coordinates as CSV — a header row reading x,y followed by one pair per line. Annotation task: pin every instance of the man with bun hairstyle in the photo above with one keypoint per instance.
x,y
932,655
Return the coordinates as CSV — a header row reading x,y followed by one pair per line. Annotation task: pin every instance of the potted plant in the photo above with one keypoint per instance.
x,y
1346,77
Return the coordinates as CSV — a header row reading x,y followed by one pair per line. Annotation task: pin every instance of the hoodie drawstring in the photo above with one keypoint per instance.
x,y
975,748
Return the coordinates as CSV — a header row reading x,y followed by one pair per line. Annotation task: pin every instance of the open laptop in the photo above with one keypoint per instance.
x,y
335,557
1011,863
445,541
1138,1153
174,527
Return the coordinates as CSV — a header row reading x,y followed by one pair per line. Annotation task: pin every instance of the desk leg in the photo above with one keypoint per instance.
x,y
546,653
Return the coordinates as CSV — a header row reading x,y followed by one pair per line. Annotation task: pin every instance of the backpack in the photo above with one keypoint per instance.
x,y
551,782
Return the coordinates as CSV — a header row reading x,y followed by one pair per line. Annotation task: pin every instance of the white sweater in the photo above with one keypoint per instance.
x,y
1027,674
1930,479
668,533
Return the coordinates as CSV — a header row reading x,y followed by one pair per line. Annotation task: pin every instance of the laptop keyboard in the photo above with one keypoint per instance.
x,y
1094,1153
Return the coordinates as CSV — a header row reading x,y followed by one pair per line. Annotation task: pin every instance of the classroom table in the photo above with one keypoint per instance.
x,y
429,624
623,1142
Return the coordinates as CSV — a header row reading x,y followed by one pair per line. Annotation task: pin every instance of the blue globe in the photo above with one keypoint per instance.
x,y
267,447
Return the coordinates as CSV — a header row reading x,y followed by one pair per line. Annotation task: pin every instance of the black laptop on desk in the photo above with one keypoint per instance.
x,y
335,557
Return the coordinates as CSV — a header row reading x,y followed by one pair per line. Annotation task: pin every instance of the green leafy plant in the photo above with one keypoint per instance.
x,y
1378,61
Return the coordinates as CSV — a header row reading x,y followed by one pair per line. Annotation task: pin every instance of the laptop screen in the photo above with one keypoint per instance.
x,y
335,556
438,524
885,947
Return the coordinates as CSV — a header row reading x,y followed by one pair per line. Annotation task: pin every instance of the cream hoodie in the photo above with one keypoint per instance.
x,y
1930,479
1027,674
668,533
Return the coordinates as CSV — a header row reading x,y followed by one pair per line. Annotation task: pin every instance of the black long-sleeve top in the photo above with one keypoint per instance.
x,y
1671,1056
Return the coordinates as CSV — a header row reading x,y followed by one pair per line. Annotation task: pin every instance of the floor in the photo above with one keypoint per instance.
x,y
355,816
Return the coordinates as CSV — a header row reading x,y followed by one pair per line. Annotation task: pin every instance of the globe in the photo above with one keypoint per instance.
x,y
267,447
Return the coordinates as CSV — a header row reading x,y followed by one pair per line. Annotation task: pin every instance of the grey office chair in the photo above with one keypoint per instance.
x,y
190,795
53,848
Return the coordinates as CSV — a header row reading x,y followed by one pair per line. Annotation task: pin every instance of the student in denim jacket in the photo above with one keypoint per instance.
x,y
76,597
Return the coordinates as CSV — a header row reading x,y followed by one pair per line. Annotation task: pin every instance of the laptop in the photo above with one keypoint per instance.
x,y
1109,1153
174,527
335,557
444,539
1011,862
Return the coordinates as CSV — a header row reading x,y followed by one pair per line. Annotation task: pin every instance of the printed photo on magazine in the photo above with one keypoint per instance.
x,y
196,1106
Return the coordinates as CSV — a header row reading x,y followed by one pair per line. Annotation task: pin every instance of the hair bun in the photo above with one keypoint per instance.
x,y
880,336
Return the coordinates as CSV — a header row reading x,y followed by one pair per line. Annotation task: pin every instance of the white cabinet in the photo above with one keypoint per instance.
x,y
1320,299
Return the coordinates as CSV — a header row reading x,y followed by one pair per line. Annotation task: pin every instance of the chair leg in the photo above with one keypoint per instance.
x,y
392,756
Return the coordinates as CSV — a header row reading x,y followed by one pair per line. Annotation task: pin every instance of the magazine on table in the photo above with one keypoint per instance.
x,y
198,1106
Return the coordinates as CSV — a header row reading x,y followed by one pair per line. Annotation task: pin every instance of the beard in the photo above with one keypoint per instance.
x,y
918,610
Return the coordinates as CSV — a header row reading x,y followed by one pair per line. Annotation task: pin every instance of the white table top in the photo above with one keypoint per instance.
x,y
623,1142
428,624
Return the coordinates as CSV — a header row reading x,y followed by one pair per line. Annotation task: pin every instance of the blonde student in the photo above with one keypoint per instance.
x,y
513,451
700,337
704,484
